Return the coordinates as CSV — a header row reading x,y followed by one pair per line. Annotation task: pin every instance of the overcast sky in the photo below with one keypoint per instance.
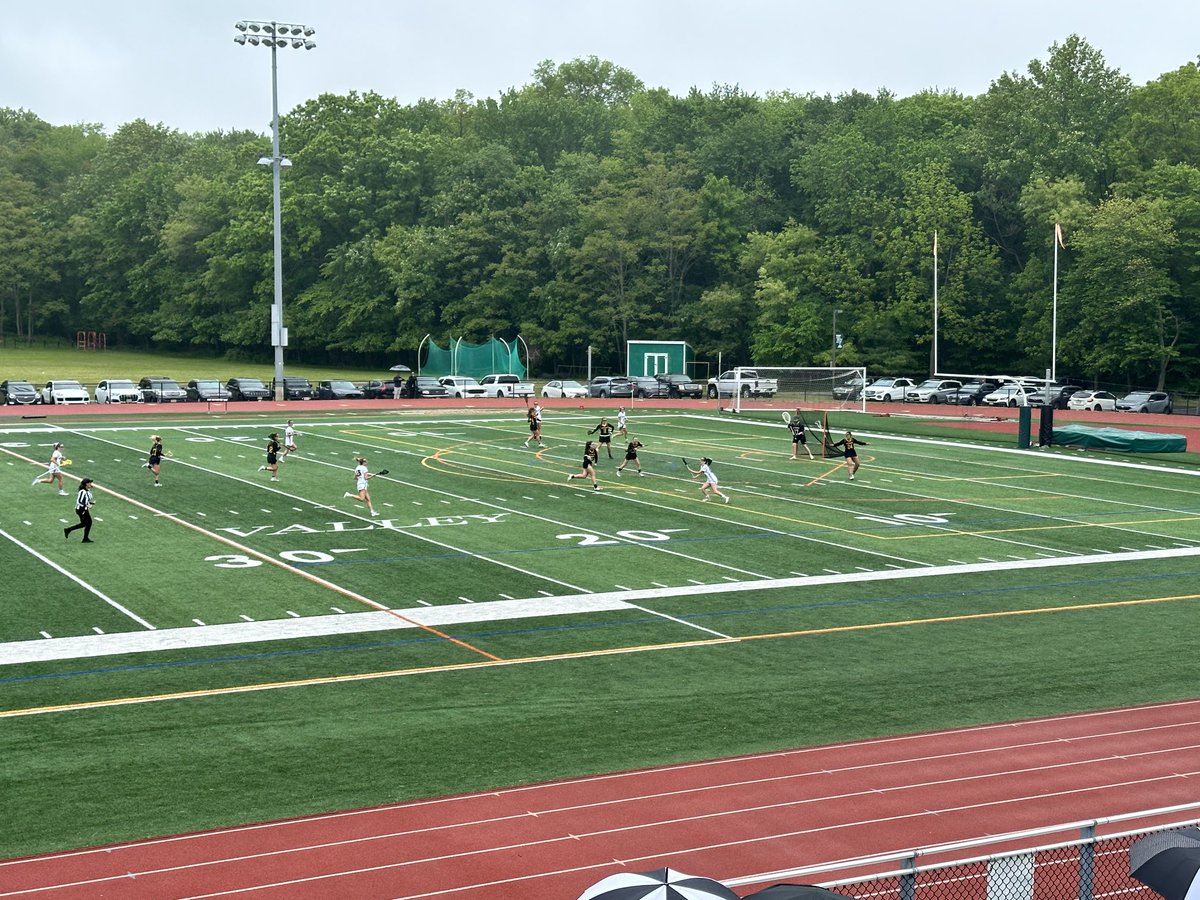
x,y
174,61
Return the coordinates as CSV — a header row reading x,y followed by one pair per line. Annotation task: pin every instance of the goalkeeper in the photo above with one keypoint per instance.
x,y
799,439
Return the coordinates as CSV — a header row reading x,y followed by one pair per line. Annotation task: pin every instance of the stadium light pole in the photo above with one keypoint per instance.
x,y
833,346
276,36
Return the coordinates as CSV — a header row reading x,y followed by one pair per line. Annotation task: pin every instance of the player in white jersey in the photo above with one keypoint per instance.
x,y
361,477
289,440
710,487
54,469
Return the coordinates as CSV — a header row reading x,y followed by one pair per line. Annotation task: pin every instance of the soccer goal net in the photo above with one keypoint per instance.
x,y
793,388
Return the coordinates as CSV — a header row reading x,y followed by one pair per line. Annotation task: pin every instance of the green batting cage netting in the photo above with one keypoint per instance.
x,y
473,360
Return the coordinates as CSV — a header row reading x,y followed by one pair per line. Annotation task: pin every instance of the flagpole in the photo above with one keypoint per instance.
x,y
935,306
1054,309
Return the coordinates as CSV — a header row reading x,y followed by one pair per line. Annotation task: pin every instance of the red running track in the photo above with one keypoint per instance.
x,y
725,818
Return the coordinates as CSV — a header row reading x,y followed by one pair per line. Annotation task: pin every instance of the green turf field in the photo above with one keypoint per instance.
x,y
232,649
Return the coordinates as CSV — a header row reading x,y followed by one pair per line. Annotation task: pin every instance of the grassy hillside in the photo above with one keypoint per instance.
x,y
39,364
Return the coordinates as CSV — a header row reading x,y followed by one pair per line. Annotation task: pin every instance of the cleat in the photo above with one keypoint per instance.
x,y
62,493
374,512
158,484
618,473
273,478
262,468
640,473
348,494
87,541
706,499
726,499
595,487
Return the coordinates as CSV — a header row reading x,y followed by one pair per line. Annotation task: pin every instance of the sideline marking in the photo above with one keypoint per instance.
x,y
345,592
79,581
583,654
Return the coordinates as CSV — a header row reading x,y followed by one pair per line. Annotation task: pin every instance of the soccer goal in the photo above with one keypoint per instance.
x,y
795,388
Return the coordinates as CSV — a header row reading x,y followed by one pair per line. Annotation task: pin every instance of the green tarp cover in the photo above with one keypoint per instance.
x,y
1119,439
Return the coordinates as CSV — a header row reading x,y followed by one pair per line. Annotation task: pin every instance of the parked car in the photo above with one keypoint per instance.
x,y
681,386
888,389
932,390
60,391
1056,395
117,390
610,386
564,389
972,393
247,389
19,393
462,386
428,386
1009,394
379,390
647,386
199,389
505,384
1093,400
747,383
849,390
338,390
160,389
1145,402
296,388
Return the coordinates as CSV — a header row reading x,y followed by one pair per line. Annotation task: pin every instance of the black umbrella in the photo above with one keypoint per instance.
x,y
1168,862
795,892
661,884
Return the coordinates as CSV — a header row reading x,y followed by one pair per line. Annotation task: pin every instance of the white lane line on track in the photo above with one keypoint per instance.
x,y
575,836
656,774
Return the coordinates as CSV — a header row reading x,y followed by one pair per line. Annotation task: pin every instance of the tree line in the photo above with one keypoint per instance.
x,y
585,208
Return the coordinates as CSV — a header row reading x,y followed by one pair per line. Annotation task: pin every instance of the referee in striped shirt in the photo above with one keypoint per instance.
x,y
84,501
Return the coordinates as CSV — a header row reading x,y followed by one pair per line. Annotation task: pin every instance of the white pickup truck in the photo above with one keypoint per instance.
x,y
505,386
725,384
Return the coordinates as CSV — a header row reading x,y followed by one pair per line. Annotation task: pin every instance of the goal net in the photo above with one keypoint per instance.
x,y
790,388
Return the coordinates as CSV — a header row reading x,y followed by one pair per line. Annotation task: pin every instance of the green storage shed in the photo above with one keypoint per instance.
x,y
659,358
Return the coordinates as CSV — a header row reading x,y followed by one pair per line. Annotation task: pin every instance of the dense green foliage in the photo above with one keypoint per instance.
x,y
584,209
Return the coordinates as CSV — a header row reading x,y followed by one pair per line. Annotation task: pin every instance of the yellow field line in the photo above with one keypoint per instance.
x,y
583,654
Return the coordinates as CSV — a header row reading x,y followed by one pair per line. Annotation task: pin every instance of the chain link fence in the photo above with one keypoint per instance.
x,y
1092,864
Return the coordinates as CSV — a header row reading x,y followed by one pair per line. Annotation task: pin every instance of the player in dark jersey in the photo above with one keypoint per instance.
x,y
798,429
589,465
632,457
847,445
156,457
534,415
606,431
272,465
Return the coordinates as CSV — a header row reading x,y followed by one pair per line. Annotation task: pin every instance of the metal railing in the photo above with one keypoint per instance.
x,y
1089,862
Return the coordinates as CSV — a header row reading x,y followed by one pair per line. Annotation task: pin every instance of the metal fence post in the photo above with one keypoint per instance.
x,y
1087,862
908,880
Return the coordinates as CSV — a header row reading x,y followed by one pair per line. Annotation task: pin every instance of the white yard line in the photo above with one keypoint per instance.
x,y
75,578
500,610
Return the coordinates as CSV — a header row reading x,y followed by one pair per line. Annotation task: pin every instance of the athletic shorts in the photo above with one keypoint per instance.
x,y
271,459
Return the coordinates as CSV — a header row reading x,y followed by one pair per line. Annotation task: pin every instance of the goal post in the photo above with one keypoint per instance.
x,y
794,387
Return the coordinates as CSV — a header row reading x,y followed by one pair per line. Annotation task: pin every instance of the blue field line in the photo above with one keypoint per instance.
x,y
590,626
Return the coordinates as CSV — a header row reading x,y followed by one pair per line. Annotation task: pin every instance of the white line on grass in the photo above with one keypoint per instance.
x,y
499,610
79,581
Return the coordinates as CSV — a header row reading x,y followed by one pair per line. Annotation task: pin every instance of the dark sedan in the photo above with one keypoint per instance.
x,y
429,387
972,393
338,390
247,389
18,393
201,389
